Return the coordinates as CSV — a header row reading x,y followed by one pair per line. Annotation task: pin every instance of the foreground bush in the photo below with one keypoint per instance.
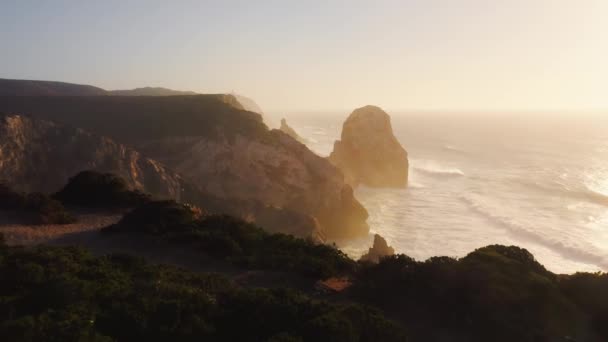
x,y
95,189
66,294
232,239
495,293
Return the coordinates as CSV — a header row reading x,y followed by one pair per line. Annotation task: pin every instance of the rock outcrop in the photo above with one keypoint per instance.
x,y
379,250
226,152
368,152
285,128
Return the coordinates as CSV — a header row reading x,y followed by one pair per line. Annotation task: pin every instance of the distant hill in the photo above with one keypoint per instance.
x,y
46,88
150,91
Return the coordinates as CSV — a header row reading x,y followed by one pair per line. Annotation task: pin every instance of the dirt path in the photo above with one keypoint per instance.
x,y
22,234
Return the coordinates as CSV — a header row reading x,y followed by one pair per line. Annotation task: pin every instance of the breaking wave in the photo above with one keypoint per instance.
x,y
528,233
582,194
433,169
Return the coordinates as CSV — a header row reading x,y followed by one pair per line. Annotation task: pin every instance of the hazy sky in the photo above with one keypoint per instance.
x,y
315,55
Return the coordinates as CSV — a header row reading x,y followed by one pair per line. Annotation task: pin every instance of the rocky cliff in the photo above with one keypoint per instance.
x,y
368,152
38,155
226,152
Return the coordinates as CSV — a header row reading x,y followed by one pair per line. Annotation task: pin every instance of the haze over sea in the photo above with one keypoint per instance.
x,y
539,182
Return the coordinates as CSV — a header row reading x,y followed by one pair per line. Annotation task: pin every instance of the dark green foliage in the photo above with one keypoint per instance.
x,y
35,208
495,293
95,189
590,292
235,240
65,294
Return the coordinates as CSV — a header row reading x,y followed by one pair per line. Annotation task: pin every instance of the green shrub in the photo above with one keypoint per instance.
x,y
95,189
234,240
495,293
36,208
66,294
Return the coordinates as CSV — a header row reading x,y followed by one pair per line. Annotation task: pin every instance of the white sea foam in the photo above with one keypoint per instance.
x,y
532,233
433,168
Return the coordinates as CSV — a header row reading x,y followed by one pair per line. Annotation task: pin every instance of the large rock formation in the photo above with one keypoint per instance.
x,y
285,128
379,250
226,152
38,155
368,152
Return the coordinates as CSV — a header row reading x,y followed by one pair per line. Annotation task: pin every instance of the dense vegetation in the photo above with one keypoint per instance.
x,y
34,208
496,293
232,239
65,294
95,189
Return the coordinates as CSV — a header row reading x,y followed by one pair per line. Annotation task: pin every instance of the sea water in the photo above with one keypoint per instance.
x,y
536,181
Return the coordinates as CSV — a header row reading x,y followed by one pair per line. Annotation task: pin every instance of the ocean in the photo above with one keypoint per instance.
x,y
536,181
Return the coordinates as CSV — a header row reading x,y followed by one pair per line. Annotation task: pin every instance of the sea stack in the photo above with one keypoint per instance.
x,y
368,152
379,250
285,128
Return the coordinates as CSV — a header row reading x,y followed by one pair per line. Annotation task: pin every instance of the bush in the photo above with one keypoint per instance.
x,y
94,189
66,294
234,240
495,293
36,208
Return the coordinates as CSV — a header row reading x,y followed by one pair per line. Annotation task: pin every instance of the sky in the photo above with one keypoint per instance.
x,y
313,55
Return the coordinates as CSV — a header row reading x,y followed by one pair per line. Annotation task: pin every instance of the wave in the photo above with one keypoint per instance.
x,y
433,169
523,231
452,148
561,190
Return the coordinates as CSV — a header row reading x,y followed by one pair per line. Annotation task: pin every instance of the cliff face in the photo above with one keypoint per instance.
x,y
368,152
274,169
37,155
226,152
